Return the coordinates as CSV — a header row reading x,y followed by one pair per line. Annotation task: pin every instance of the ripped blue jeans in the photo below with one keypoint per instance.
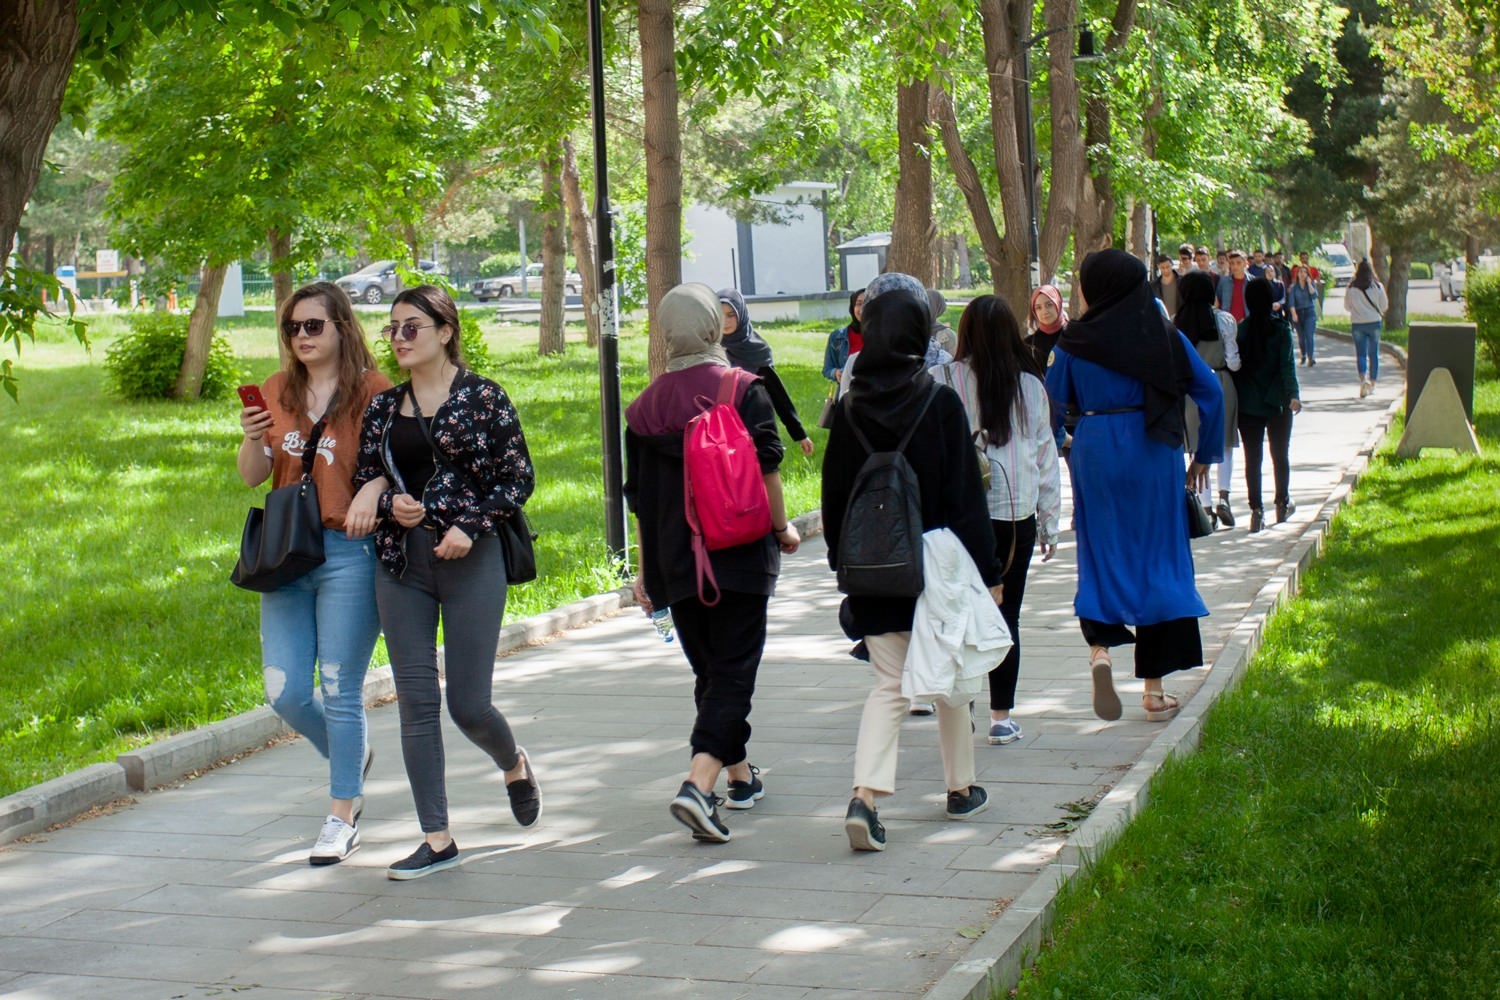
x,y
325,623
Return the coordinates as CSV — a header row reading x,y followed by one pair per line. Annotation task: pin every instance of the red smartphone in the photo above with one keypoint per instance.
x,y
250,396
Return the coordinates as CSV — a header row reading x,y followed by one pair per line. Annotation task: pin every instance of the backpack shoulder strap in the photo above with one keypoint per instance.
x,y
729,383
906,438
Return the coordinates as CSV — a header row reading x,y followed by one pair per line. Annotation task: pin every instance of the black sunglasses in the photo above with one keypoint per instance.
x,y
406,331
312,327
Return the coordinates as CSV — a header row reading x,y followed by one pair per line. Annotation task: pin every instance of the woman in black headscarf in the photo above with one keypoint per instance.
x,y
1211,331
890,394
1128,371
1268,387
747,350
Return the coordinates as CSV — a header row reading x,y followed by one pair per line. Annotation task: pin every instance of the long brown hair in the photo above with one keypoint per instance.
x,y
439,307
989,339
354,353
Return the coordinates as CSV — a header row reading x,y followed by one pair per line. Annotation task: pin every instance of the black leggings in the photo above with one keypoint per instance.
x,y
470,592
1279,430
1003,677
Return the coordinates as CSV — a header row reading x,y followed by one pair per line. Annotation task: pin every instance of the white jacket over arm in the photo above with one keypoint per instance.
x,y
957,634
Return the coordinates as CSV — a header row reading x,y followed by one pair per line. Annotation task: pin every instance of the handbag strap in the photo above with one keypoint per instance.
x,y
314,436
438,453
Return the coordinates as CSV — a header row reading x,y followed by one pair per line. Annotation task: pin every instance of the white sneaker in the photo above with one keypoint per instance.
x,y
336,841
1365,388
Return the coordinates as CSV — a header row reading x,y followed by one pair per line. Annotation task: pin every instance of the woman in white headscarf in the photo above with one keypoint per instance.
x,y
723,641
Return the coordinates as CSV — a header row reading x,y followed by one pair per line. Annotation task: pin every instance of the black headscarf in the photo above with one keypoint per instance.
x,y
1195,307
1124,330
744,346
890,382
1258,325
854,326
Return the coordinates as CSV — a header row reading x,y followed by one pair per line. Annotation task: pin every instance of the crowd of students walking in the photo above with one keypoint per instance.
x,y
415,481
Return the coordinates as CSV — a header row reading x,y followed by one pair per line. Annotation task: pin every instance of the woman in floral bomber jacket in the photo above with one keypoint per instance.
x,y
449,448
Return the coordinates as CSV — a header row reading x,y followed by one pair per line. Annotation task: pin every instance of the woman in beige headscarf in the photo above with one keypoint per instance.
x,y
723,641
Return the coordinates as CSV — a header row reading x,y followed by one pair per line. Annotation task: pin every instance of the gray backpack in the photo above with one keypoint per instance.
x,y
880,549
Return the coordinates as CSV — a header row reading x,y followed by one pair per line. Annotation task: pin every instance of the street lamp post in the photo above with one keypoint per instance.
x,y
607,305
1085,53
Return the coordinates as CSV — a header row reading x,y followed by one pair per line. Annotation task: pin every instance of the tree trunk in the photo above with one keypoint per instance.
x,y
40,38
581,225
1096,210
1068,155
967,177
1379,248
1397,285
200,335
913,232
1140,232
551,337
663,141
280,245
965,273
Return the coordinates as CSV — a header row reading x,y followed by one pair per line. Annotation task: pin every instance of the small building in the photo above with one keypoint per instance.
x,y
862,258
785,254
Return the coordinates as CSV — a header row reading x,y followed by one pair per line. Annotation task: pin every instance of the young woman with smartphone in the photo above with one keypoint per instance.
x,y
447,452
322,624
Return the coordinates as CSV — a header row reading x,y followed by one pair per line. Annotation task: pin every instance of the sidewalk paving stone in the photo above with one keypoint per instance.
x,y
203,888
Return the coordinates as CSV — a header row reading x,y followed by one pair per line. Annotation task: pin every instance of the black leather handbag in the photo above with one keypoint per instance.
x,y
1198,521
284,540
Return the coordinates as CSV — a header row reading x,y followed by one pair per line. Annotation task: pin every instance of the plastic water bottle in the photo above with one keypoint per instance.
x,y
662,619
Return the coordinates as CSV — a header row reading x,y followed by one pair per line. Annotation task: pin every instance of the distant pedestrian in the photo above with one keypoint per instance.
x,y
944,340
1202,260
1366,301
448,447
1184,258
995,376
1267,384
1045,322
746,350
844,341
323,623
1231,287
723,641
1165,285
1129,372
1302,309
1213,334
893,394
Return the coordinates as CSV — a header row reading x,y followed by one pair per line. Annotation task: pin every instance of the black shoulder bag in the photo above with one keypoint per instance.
x,y
284,540
515,534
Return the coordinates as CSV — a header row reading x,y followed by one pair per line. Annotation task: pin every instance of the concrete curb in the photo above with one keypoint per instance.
x,y
170,759
995,962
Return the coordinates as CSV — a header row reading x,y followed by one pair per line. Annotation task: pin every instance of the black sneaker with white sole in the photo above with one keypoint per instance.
x,y
699,812
423,861
972,800
744,794
336,841
862,825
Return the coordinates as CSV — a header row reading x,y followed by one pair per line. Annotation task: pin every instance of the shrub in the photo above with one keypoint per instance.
x,y
476,351
500,263
1420,269
1482,304
143,364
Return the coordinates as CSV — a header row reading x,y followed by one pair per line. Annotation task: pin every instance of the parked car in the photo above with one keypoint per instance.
x,y
374,283
1343,265
507,285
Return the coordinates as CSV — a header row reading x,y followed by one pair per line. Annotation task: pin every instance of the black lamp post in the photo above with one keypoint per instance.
x,y
1085,53
608,307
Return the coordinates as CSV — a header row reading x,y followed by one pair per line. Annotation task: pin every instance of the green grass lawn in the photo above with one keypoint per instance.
x,y
1336,834
121,523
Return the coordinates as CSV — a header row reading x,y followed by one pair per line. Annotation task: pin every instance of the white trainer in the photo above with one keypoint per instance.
x,y
336,841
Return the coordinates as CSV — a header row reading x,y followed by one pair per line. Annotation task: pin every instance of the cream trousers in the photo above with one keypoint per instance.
x,y
886,709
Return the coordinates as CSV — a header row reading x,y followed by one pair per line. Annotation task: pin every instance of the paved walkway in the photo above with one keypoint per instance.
x,y
203,889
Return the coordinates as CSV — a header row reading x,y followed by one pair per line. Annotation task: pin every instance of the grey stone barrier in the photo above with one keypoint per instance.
x,y
994,963
34,809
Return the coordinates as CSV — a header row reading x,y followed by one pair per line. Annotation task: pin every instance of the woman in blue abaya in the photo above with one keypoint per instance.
x,y
1128,371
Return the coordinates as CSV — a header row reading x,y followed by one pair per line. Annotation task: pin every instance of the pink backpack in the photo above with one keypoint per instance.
x,y
723,492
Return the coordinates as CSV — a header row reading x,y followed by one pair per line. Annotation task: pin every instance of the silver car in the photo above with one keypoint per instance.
x,y
374,283
509,285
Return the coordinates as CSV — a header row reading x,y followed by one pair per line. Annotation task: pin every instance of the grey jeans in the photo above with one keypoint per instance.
x,y
470,593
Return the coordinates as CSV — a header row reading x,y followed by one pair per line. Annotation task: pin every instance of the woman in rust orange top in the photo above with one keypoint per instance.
x,y
326,620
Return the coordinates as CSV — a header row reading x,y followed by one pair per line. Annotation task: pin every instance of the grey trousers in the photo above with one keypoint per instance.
x,y
470,594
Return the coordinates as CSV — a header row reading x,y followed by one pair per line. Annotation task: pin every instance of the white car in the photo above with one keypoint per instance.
x,y
1343,265
508,285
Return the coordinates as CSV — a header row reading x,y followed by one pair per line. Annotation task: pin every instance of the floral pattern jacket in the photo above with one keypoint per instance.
x,y
479,433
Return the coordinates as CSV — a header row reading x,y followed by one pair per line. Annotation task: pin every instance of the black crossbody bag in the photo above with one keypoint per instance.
x,y
515,534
